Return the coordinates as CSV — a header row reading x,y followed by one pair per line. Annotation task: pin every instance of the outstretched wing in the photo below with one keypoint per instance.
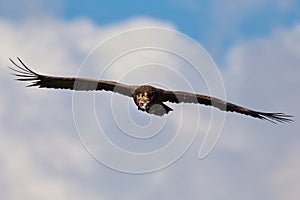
x,y
185,97
43,81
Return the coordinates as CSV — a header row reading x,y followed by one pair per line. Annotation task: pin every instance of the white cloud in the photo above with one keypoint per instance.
x,y
266,77
29,171
18,9
284,179
254,62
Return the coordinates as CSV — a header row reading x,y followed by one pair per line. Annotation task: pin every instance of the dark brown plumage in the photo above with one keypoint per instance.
x,y
148,98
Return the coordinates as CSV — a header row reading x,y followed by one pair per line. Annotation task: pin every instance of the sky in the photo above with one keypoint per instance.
x,y
55,144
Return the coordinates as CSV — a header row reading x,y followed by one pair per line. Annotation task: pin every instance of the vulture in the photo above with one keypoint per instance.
x,y
147,98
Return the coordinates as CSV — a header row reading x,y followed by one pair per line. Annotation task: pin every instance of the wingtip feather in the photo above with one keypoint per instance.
x,y
276,117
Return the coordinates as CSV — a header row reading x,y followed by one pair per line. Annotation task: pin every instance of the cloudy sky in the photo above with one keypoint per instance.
x,y
52,144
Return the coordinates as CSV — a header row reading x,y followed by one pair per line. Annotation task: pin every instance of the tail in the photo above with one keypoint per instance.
x,y
159,109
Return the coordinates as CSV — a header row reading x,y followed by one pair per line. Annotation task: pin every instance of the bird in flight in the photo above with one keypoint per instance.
x,y
147,98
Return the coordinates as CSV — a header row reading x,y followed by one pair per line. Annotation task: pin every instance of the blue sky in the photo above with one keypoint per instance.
x,y
195,18
45,155
216,25
212,25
